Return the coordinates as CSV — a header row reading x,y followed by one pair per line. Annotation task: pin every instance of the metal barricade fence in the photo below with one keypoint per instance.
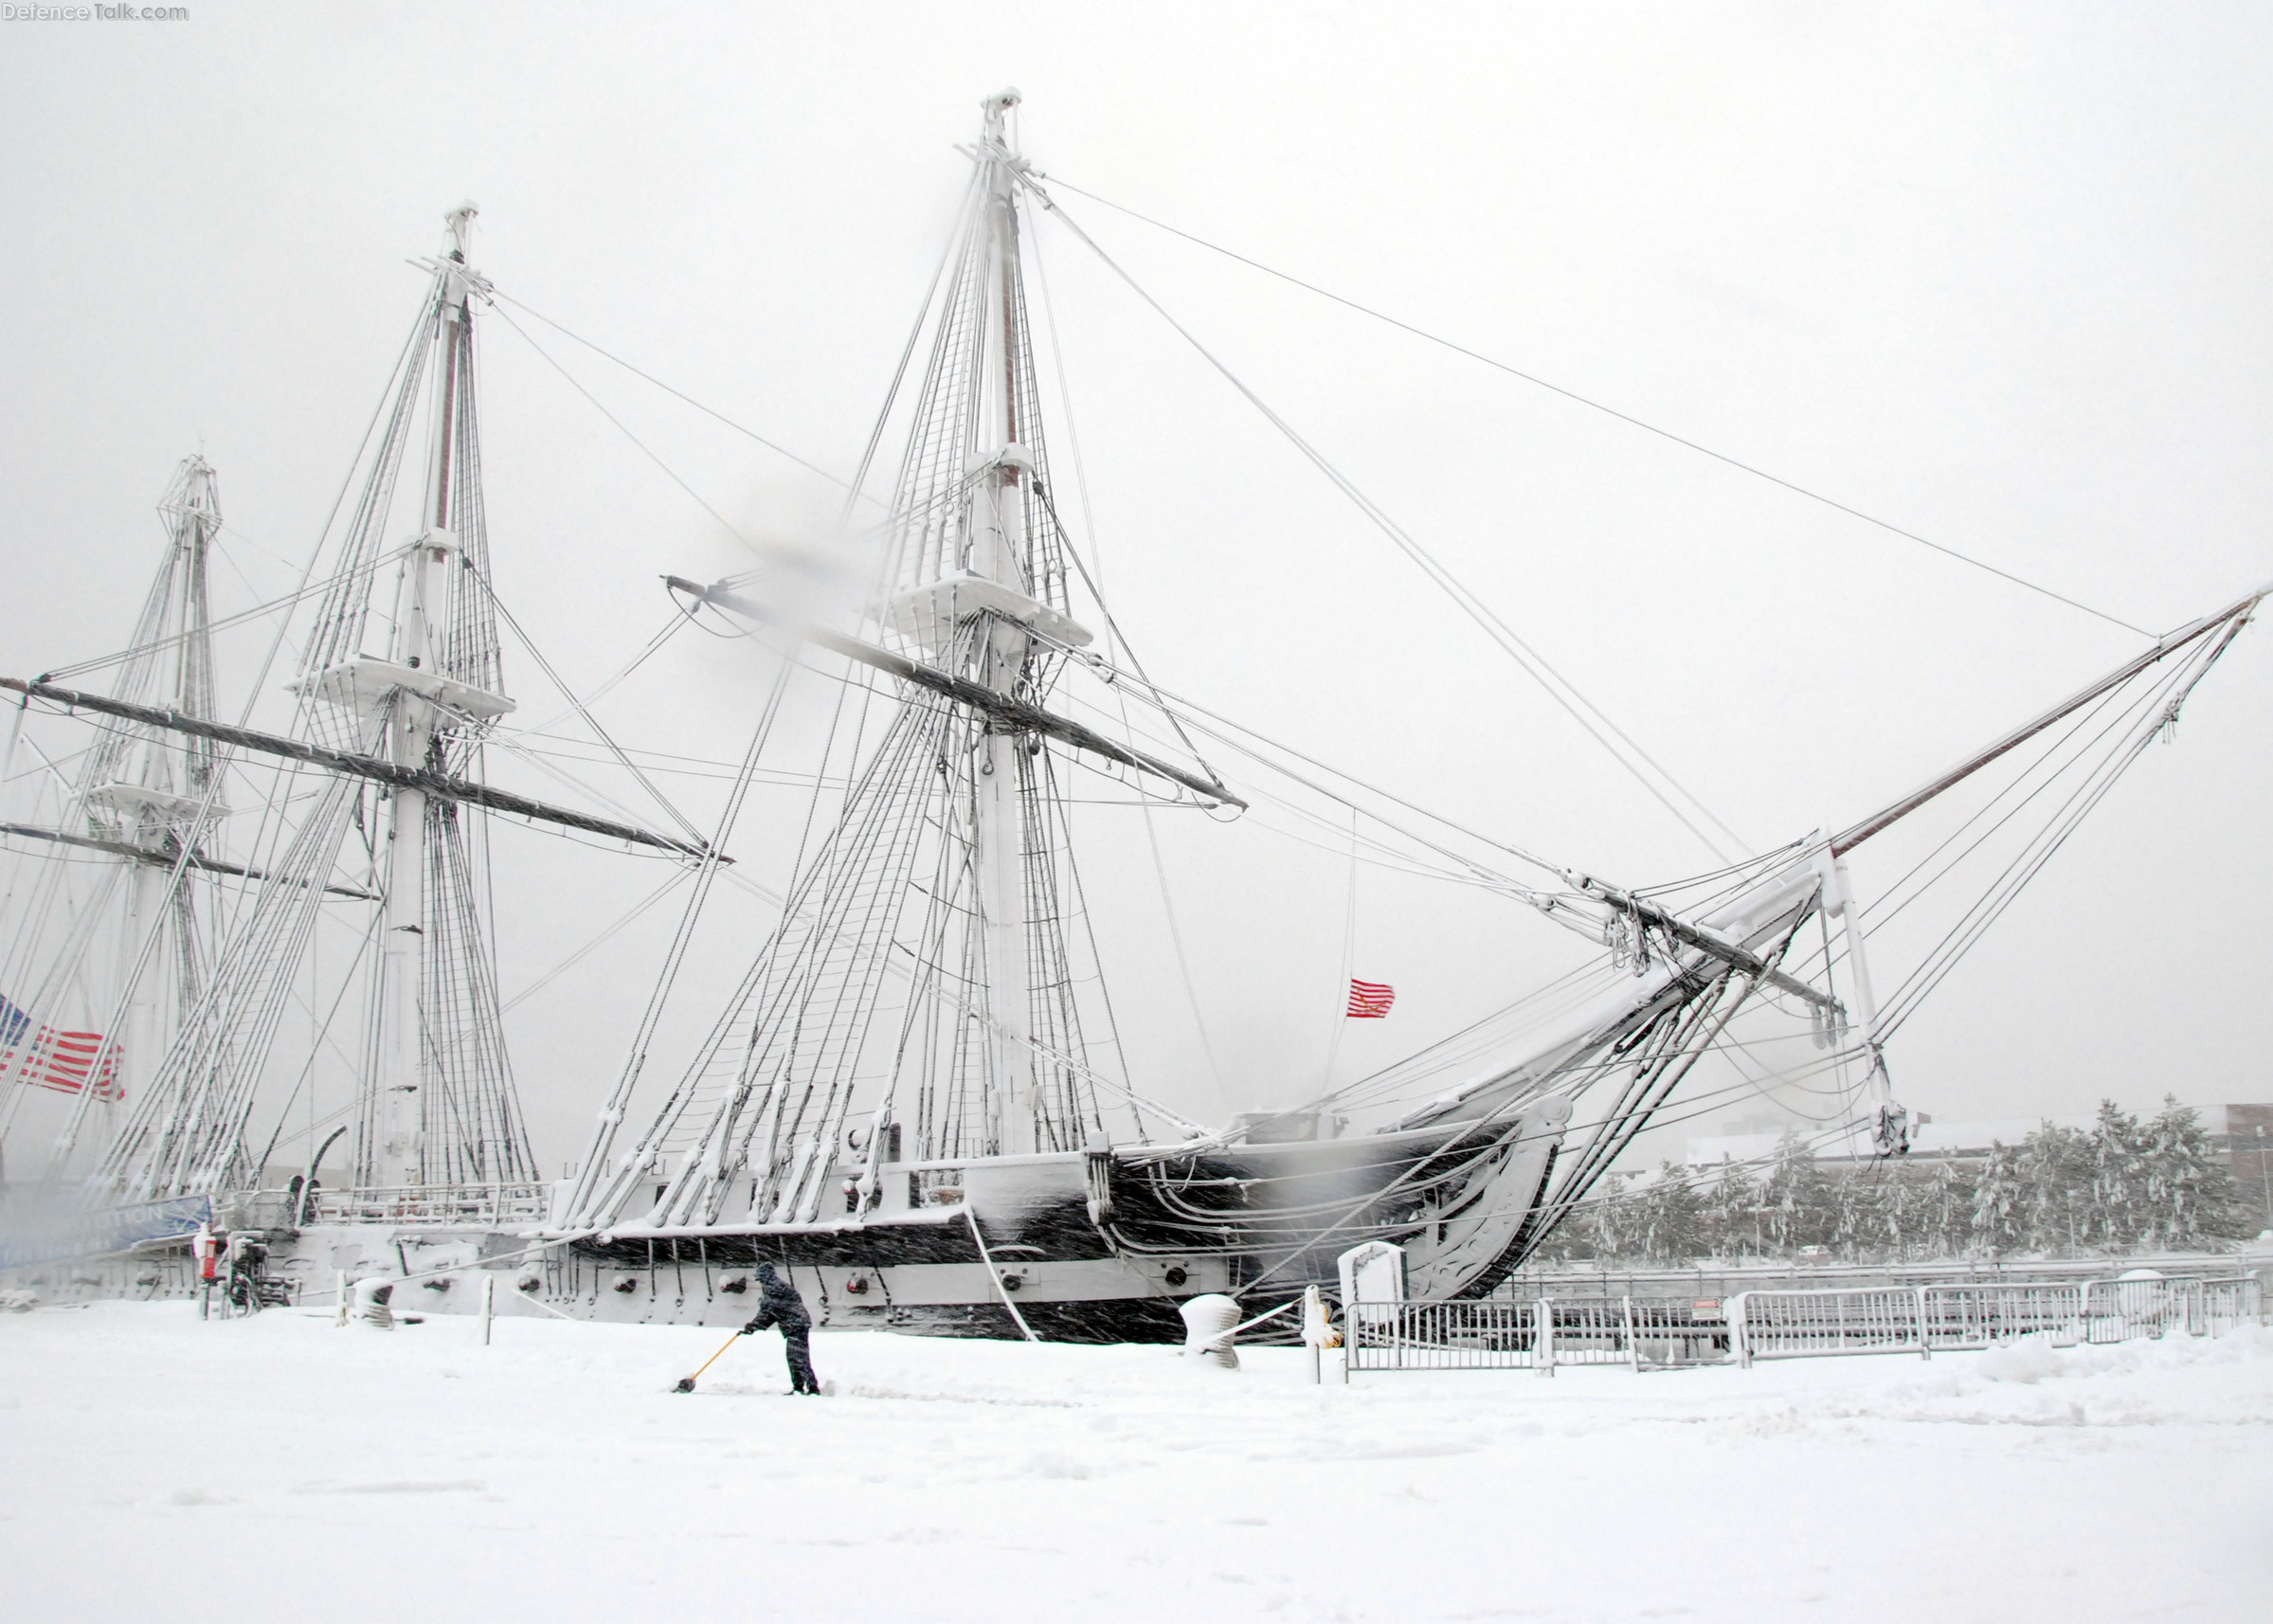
x,y
2216,1307
1799,1325
2118,1310
1502,1334
1979,1315
1441,1335
1592,1330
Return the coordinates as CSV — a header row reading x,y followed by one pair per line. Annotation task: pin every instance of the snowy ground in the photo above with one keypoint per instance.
x,y
154,1468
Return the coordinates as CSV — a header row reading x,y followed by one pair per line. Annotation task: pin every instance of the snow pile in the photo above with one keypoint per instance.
x,y
164,1468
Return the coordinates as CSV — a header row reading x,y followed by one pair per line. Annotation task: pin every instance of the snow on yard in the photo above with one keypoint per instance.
x,y
162,1471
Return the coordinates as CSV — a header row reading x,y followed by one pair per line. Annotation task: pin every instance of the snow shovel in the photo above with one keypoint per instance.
x,y
686,1383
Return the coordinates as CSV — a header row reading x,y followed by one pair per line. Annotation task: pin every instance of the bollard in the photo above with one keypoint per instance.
x,y
372,1303
1317,1332
1209,1321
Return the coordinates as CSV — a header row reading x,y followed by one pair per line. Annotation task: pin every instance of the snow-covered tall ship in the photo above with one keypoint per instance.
x,y
913,1100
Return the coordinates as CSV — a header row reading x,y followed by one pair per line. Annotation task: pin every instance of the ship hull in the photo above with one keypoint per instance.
x,y
1084,1246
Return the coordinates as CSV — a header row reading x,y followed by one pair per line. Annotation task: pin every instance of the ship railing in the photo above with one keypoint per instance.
x,y
454,1205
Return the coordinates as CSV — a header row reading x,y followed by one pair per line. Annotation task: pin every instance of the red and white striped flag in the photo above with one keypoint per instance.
x,y
53,1059
1370,1000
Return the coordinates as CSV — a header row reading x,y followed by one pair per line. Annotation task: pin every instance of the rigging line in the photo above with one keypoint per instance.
x,y
1344,986
1113,626
1162,699
582,954
2032,862
1612,411
627,434
305,591
1088,517
855,489
593,1182
569,694
1996,898
677,624
325,1040
2081,747
679,394
1527,658
194,838
1183,962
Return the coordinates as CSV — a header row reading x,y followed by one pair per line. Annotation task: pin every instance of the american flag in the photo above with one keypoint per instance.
x,y
1370,1000
53,1059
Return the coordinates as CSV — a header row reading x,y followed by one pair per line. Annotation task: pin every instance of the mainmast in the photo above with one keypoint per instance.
x,y
997,530
924,958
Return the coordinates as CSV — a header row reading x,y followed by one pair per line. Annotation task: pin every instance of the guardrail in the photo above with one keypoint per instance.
x,y
1497,1334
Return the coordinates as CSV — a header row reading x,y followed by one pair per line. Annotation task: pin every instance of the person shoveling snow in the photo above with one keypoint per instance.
x,y
783,1307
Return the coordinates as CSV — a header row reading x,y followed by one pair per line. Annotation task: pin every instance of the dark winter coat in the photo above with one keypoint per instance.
x,y
781,1306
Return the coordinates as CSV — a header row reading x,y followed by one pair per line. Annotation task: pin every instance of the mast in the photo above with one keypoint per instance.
x,y
400,1074
158,798
948,861
997,527
141,798
388,740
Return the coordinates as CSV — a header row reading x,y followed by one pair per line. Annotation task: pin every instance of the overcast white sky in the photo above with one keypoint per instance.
x,y
1994,274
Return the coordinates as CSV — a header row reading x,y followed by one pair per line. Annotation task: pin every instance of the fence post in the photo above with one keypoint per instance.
x,y
1926,1347
1543,1341
1734,1311
489,1304
1633,1348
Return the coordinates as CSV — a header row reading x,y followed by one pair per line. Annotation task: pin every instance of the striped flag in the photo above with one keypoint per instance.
x,y
53,1059
1370,1000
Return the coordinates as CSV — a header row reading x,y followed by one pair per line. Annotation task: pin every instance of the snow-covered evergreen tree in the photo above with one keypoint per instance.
x,y
2118,1191
1997,1195
1795,1197
2190,1198
2055,1170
